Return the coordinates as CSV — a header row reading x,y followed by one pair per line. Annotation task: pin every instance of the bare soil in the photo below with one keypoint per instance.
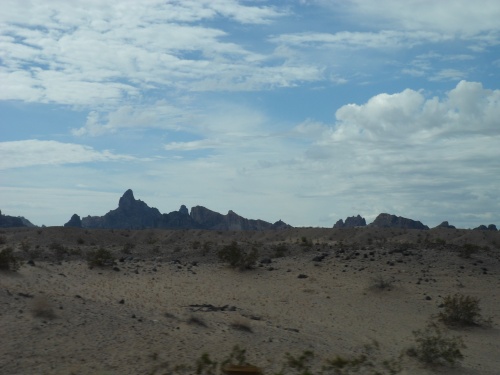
x,y
168,297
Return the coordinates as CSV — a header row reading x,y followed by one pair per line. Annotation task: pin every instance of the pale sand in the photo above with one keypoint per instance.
x,y
334,311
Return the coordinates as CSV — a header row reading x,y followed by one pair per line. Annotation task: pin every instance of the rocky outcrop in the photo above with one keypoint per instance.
x,y
208,219
445,224
484,227
392,221
351,222
130,214
7,221
135,214
74,222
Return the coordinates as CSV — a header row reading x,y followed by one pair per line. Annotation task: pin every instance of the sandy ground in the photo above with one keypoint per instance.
x,y
171,302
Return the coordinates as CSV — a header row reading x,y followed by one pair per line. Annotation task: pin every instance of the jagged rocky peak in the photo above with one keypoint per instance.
x,y
74,222
392,221
351,222
7,221
446,225
183,210
127,200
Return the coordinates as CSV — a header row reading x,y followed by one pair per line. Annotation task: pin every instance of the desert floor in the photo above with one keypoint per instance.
x,y
170,299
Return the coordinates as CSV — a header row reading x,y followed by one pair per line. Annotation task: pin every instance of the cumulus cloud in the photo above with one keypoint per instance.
x,y
410,153
26,153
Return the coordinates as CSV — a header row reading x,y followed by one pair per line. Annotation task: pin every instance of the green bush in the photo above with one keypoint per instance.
x,y
100,258
460,310
8,261
238,258
434,348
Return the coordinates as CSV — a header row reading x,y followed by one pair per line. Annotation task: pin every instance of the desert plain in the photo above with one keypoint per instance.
x,y
168,298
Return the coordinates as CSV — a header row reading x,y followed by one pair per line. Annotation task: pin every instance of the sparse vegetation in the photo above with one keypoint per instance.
x,y
42,308
127,248
468,249
382,282
8,261
59,250
460,310
433,347
100,258
280,250
237,257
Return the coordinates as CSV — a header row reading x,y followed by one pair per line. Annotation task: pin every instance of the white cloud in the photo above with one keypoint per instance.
x,y
347,39
32,152
460,17
94,53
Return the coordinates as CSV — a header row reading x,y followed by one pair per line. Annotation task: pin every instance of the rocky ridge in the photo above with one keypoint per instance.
x,y
136,214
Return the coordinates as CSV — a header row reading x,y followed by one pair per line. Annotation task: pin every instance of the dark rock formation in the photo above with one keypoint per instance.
x,y
484,227
481,227
445,224
7,221
135,214
74,222
351,222
392,221
208,219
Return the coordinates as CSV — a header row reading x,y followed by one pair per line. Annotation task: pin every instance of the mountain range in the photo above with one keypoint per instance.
x,y
136,214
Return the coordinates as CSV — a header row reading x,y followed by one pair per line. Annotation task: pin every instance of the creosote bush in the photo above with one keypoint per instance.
x,y
460,310
366,363
434,348
238,258
8,261
100,258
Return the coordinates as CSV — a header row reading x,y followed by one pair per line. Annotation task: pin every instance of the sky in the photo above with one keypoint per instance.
x,y
308,111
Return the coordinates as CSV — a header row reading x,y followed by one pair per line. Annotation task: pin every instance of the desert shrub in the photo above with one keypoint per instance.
x,y
304,241
434,348
280,250
238,258
25,245
100,258
467,250
383,283
80,241
3,240
299,365
367,362
127,248
8,261
195,245
460,310
207,246
59,250
42,308
151,239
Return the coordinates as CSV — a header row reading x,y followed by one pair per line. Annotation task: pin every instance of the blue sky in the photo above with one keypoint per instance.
x,y
305,111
